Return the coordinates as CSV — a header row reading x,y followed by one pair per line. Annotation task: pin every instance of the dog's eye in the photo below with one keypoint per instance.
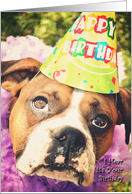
x,y
40,103
99,122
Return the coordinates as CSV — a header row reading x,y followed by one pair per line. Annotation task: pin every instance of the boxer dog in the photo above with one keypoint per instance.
x,y
58,131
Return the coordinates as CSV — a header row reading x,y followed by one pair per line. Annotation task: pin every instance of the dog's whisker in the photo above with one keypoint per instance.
x,y
97,162
21,148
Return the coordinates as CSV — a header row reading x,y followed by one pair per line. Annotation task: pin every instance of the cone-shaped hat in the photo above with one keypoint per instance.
x,y
86,57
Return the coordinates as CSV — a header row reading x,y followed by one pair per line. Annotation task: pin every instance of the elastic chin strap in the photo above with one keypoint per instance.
x,y
36,74
116,99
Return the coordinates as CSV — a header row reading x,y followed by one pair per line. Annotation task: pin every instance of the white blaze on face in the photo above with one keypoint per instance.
x,y
40,139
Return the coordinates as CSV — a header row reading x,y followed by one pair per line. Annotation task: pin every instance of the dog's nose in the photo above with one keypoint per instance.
x,y
72,139
68,142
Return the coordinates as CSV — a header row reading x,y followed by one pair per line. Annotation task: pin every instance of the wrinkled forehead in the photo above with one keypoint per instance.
x,y
42,84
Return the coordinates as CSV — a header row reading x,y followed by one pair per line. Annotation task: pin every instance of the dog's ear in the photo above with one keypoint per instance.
x,y
124,111
15,74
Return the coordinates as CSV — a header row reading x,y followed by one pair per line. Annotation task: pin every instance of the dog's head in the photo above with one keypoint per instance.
x,y
58,131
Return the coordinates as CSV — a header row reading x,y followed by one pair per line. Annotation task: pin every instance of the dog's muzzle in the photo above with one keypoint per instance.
x,y
63,154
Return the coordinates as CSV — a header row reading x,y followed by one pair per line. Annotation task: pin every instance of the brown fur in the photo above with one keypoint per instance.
x,y
18,78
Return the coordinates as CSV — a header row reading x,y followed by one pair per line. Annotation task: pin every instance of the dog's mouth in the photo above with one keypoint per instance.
x,y
61,167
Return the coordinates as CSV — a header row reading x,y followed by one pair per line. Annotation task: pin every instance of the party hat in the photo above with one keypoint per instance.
x,y
86,57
